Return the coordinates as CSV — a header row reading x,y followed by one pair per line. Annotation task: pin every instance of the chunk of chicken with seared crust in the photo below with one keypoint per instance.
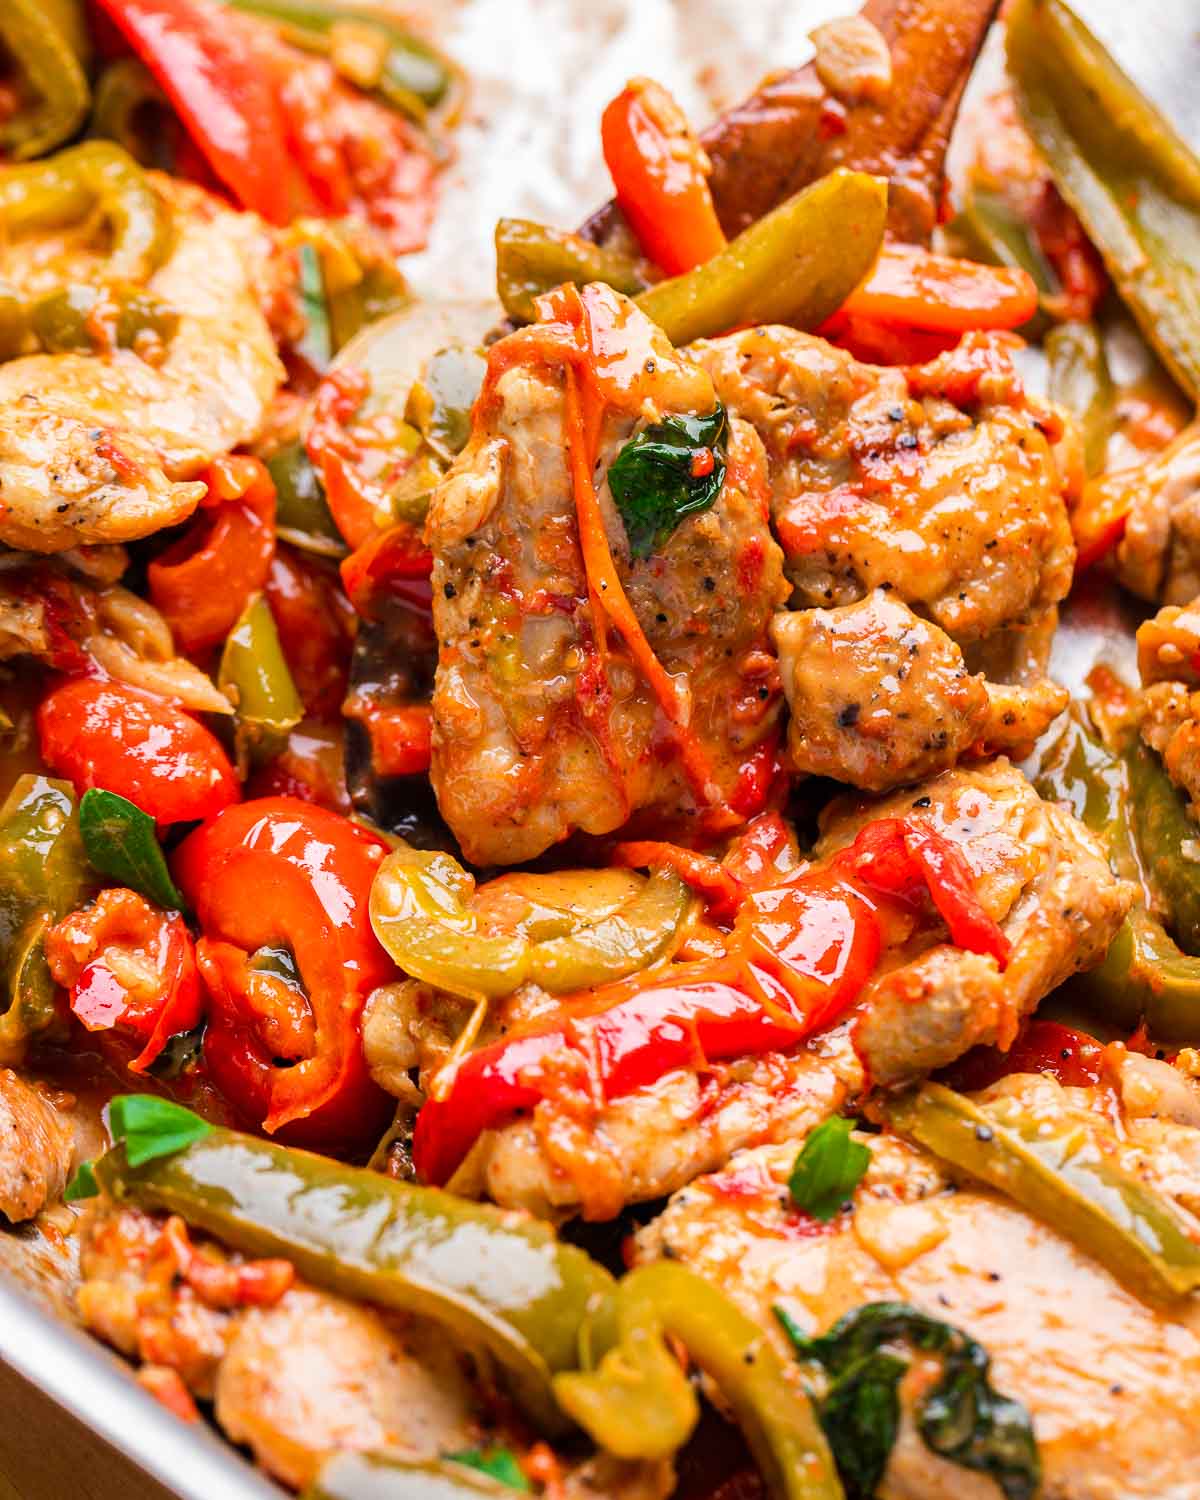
x,y
1037,872
36,1146
939,481
107,447
1158,555
879,697
1112,1383
545,717
1168,707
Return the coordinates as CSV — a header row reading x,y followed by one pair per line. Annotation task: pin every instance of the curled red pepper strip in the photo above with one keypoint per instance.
x,y
203,581
722,891
271,873
224,1284
392,565
129,966
900,855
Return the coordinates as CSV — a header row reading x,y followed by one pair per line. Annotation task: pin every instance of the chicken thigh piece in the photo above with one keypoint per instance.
x,y
36,1147
931,492
596,663
1111,1383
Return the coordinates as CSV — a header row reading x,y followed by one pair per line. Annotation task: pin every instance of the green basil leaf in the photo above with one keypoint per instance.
x,y
120,841
499,1462
670,470
152,1127
963,1418
82,1185
828,1169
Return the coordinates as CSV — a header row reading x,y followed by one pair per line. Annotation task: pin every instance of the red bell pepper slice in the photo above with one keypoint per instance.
x,y
223,82
281,872
660,173
128,966
316,628
109,735
202,582
906,856
916,288
389,566
1099,520
722,891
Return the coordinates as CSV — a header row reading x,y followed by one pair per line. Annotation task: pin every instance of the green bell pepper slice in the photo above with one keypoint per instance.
x,y
47,39
1050,1166
95,176
125,94
636,1401
1161,826
577,931
796,265
496,1278
1079,379
1145,975
1121,166
254,676
392,1476
302,515
532,259
44,874
14,321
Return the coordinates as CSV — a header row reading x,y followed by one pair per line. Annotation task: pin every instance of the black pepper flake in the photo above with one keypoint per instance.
x,y
896,414
661,618
848,716
984,1133
709,585
449,590
923,802
907,440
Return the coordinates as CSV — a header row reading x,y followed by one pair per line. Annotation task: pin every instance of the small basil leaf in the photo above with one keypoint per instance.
x,y
670,470
82,1185
152,1127
120,841
828,1169
499,1462
963,1417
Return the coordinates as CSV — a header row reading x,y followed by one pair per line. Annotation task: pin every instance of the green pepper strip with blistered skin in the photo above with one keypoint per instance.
x,y
637,1402
532,259
46,39
414,77
1079,379
254,676
1117,161
1145,975
1051,1167
421,914
796,265
391,1476
496,1278
44,873
67,188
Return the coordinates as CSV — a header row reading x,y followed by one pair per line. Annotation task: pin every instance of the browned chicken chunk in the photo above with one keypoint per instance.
x,y
1037,872
879,697
1169,705
1158,557
578,684
1112,1383
36,1144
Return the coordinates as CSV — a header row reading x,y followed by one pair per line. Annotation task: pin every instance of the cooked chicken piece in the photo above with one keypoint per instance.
x,y
937,482
1112,1383
102,448
1168,707
36,1145
1158,557
316,1374
1037,872
545,717
879,697
301,1377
